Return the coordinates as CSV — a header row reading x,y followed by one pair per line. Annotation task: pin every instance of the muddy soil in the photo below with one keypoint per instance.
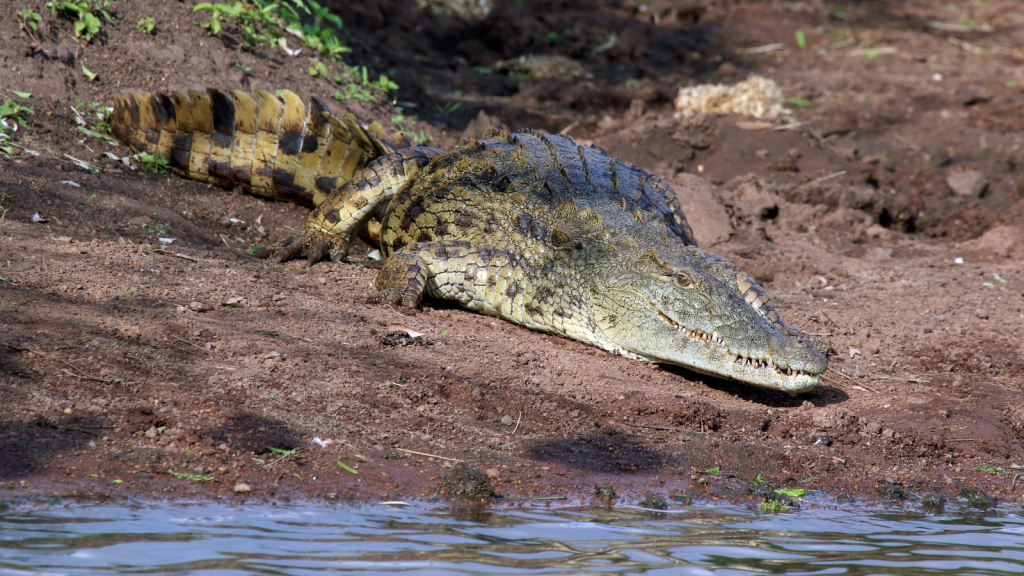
x,y
123,359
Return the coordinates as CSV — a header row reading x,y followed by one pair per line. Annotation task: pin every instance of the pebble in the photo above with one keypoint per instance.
x,y
969,183
975,498
507,420
200,307
890,490
242,488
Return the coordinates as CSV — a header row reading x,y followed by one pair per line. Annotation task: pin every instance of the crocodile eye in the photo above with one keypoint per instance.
x,y
683,281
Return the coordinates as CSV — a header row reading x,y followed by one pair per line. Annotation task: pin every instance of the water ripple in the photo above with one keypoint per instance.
x,y
220,540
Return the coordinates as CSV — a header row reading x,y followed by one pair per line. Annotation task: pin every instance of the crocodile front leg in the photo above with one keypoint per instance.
x,y
333,224
438,268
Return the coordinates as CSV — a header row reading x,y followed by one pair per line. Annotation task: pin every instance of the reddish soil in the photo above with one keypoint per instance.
x,y
110,376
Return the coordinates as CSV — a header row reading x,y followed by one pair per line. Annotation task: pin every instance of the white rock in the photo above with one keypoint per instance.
x,y
970,183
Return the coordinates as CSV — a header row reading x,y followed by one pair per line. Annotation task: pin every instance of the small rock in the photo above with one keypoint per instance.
x,y
38,219
846,499
933,503
140,221
403,338
235,302
970,183
477,394
890,490
507,420
975,498
822,439
200,307
467,482
654,501
878,231
152,432
242,488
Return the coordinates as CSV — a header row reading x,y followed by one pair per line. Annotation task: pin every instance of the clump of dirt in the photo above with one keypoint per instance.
x,y
143,349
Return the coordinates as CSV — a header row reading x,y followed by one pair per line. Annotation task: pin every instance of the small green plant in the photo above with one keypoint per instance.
x,y
482,70
242,67
14,111
420,138
347,468
160,229
801,39
282,451
357,85
772,507
448,108
130,291
990,469
317,68
93,120
146,25
715,470
354,92
256,249
4,307
30,20
153,164
89,74
264,22
407,126
798,102
85,14
12,115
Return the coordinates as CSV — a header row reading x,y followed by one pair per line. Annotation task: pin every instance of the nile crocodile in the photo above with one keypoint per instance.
x,y
527,226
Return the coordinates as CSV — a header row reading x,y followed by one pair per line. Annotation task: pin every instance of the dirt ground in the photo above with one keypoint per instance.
x,y
122,359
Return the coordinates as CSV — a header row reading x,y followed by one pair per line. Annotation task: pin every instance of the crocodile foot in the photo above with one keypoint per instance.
x,y
313,245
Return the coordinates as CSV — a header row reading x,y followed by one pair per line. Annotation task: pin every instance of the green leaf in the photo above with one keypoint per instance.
x,y
800,102
989,469
791,492
89,74
347,468
759,479
801,39
21,94
202,6
118,481
281,451
714,470
95,134
193,477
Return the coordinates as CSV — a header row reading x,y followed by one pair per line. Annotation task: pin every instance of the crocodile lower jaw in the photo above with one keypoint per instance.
x,y
742,368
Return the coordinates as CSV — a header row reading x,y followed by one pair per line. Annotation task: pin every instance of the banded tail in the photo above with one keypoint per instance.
x,y
273,148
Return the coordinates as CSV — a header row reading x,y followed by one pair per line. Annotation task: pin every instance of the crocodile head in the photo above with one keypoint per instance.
x,y
678,304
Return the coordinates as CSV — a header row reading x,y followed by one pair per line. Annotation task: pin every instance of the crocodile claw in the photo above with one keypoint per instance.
x,y
310,244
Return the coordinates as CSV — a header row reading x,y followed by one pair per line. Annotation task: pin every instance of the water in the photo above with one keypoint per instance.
x,y
422,540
